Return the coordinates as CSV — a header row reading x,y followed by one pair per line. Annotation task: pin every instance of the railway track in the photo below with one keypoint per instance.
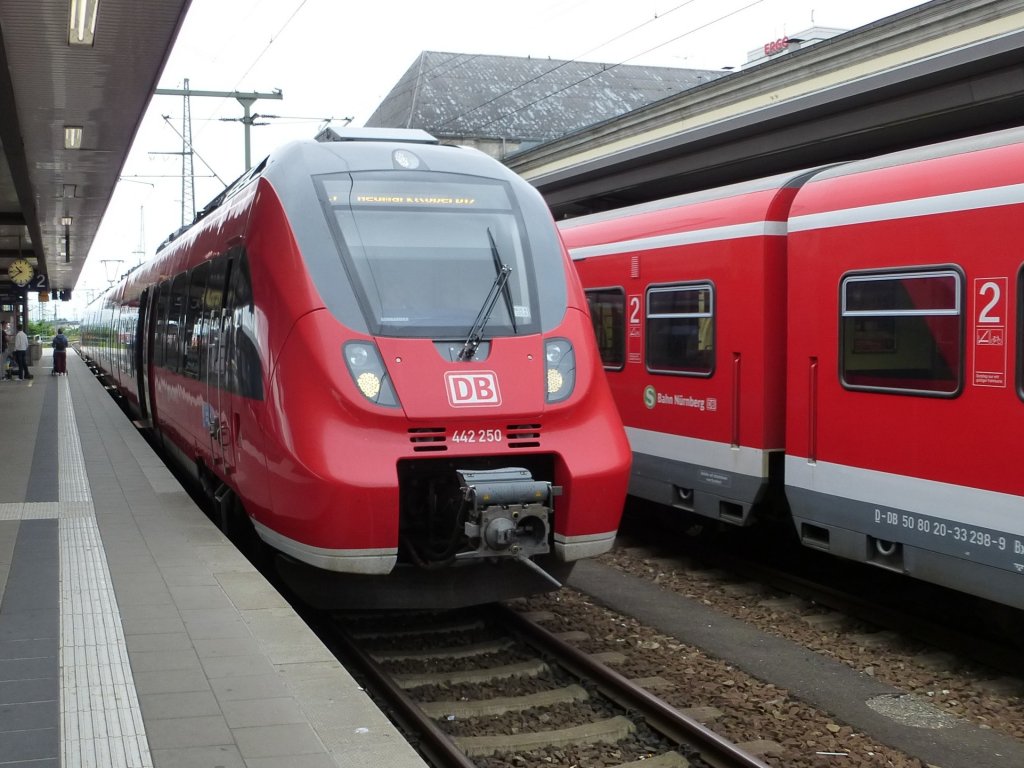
x,y
495,688
971,628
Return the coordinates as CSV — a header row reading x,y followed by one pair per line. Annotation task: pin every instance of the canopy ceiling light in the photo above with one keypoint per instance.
x,y
82,28
66,223
72,137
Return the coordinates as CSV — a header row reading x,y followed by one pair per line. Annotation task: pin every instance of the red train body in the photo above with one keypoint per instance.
x,y
689,290
863,321
305,349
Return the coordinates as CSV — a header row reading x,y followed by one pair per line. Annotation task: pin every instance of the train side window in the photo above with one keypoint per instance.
x,y
120,346
681,329
1020,333
119,317
902,331
107,324
172,348
130,313
216,290
163,300
125,339
192,330
114,335
245,376
608,313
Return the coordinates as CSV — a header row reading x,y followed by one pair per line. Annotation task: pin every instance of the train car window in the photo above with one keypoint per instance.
x,y
902,331
131,348
119,314
245,374
423,251
192,329
108,333
216,293
119,339
126,341
1020,333
113,334
681,329
172,348
163,300
608,313
161,305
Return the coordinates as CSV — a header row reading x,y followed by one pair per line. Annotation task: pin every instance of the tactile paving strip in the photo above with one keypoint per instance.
x,y
101,719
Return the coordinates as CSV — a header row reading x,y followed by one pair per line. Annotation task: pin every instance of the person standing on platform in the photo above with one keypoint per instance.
x,y
21,353
60,353
7,351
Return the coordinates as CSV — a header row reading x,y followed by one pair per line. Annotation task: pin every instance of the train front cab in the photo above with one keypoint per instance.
x,y
687,297
905,386
384,427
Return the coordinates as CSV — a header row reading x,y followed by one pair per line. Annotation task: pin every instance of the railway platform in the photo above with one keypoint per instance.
x,y
132,632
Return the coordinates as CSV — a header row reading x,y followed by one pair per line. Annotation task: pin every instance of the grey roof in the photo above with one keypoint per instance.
x,y
522,99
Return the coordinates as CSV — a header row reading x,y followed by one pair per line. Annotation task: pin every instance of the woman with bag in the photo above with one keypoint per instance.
x,y
60,354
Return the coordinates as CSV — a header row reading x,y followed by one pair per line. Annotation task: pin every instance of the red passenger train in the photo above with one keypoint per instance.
x,y
376,351
847,340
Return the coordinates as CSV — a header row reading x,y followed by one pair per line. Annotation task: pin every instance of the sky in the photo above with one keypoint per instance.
x,y
334,59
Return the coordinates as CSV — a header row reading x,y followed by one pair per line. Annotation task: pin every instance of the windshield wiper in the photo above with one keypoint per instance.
x,y
498,287
505,290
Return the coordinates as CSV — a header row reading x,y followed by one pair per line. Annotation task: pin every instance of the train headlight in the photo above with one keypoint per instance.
x,y
555,351
357,356
555,381
367,370
369,384
561,369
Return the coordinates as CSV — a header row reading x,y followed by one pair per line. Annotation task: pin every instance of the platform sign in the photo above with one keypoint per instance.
x,y
634,330
989,331
40,282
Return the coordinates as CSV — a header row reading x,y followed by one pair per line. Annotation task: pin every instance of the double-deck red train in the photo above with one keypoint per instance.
x,y
377,352
848,338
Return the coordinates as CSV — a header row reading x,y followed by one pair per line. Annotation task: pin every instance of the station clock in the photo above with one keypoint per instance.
x,y
20,272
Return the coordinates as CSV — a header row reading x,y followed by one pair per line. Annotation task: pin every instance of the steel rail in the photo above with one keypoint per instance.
x,y
713,748
433,742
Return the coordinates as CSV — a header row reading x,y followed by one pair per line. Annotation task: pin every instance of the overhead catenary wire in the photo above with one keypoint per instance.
x,y
167,119
574,60
621,63
262,53
270,42
432,73
428,75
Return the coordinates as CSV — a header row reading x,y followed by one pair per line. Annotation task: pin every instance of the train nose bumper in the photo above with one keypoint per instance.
x,y
509,512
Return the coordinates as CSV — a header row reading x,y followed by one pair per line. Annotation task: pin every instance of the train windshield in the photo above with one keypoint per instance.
x,y
420,249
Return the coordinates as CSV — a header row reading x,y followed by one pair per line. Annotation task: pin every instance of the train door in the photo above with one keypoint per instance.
x,y
120,314
157,333
143,337
221,424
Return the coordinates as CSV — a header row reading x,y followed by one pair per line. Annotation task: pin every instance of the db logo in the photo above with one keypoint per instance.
x,y
477,388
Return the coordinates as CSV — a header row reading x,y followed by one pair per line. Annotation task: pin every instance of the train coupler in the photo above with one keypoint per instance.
x,y
508,513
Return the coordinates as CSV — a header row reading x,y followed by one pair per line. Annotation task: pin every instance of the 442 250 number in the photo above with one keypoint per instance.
x,y
477,436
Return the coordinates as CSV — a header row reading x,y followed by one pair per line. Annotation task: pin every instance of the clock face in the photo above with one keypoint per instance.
x,y
20,272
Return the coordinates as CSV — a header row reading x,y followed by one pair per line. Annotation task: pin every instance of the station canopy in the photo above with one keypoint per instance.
x,y
76,77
